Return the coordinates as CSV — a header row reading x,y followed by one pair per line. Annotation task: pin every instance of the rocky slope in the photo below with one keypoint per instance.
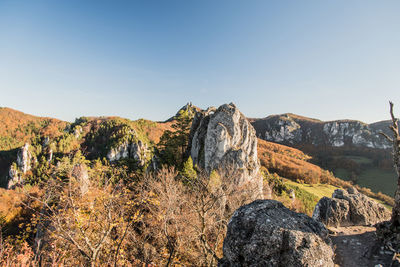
x,y
293,129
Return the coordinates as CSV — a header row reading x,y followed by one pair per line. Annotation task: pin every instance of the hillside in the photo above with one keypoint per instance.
x,y
94,136
294,129
16,128
352,150
293,164
135,176
353,163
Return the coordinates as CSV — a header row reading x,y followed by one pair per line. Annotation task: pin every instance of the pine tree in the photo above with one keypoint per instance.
x,y
188,170
173,144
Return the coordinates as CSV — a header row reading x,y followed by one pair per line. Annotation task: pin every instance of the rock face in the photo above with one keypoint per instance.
x,y
14,177
24,163
223,139
265,233
293,129
349,208
80,173
135,150
24,158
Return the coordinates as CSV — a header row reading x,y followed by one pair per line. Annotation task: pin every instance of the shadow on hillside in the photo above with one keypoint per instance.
x,y
7,157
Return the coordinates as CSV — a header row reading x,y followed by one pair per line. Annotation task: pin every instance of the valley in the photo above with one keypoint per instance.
x,y
184,164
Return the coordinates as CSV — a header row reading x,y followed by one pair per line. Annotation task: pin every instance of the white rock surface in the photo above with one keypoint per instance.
x,y
136,150
223,139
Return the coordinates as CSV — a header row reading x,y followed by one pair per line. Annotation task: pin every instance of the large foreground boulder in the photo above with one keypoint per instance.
x,y
349,208
223,140
266,233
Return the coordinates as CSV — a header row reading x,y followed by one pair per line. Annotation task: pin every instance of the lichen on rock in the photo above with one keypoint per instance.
x,y
265,233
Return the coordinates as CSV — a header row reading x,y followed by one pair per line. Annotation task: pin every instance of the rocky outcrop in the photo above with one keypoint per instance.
x,y
265,233
119,152
223,140
287,131
137,150
80,173
14,177
293,129
189,108
349,208
25,159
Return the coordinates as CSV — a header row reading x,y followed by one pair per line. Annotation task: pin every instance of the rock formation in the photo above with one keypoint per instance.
x,y
349,208
222,139
265,233
24,163
294,130
80,173
14,177
24,158
135,150
189,107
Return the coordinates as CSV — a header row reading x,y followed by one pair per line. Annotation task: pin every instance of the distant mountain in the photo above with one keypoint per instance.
x,y
293,129
352,150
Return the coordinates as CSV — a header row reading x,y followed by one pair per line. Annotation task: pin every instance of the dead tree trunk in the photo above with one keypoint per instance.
x,y
395,140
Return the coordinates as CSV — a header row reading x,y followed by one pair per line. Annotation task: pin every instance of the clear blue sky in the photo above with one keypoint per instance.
x,y
145,58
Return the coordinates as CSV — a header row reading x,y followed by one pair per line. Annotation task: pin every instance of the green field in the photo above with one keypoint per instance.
x,y
358,159
342,174
377,180
319,190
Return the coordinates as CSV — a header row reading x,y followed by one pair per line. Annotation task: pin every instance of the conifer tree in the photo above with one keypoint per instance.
x,y
173,144
188,170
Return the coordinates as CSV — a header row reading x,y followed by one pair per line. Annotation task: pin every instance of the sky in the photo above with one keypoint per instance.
x,y
146,58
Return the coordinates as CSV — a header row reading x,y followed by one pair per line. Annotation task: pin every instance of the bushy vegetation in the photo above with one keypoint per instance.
x,y
16,128
157,219
290,195
79,209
